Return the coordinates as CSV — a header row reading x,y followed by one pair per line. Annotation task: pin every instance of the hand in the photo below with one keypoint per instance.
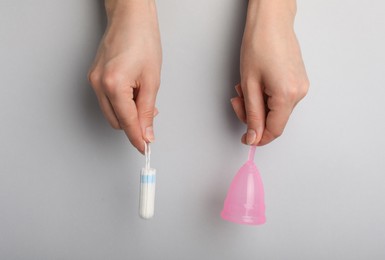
x,y
273,76
126,72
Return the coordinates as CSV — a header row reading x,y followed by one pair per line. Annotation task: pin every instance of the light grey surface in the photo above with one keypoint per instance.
x,y
69,183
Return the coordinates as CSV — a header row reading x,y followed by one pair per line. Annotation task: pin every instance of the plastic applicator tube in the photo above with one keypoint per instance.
x,y
147,188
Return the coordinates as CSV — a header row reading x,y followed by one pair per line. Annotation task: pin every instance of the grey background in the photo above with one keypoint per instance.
x,y
69,183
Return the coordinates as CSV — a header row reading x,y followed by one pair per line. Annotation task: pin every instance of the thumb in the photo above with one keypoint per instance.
x,y
146,107
255,112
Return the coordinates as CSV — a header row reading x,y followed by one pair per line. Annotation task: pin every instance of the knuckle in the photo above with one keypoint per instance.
x,y
294,91
278,101
111,81
147,113
304,88
298,90
254,117
93,78
127,122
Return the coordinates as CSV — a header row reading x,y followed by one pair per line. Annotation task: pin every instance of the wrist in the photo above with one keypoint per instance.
x,y
121,9
272,12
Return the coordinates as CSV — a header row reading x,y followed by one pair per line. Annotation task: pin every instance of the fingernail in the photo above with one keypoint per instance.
x,y
243,139
250,136
150,134
232,99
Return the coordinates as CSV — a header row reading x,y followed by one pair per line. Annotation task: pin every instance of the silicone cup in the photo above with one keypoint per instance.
x,y
244,203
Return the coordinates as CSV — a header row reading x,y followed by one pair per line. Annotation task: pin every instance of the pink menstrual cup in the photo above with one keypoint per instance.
x,y
244,202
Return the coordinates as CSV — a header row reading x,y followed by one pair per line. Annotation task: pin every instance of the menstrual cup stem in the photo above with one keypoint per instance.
x,y
252,153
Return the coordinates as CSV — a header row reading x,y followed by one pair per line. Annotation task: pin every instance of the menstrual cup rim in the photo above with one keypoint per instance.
x,y
244,220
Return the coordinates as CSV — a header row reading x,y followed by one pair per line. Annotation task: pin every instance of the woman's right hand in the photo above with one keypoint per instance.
x,y
126,72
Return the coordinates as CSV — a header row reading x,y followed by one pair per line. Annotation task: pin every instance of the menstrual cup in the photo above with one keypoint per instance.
x,y
244,203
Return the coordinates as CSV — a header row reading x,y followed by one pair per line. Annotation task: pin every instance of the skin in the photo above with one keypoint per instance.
x,y
126,72
273,75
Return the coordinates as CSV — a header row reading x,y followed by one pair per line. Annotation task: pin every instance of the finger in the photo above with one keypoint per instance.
x,y
108,111
276,119
255,112
146,108
156,112
239,90
127,114
239,108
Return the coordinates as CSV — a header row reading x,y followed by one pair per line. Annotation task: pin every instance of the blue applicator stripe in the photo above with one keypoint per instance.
x,y
147,179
